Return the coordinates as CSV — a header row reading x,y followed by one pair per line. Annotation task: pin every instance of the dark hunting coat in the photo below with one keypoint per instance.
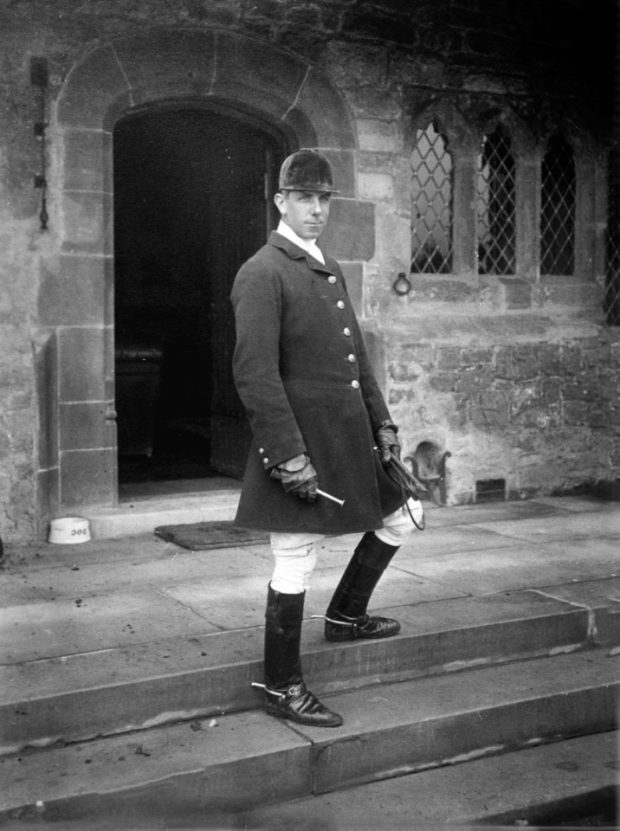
x,y
303,374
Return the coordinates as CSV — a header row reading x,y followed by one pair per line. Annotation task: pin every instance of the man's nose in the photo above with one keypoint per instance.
x,y
316,206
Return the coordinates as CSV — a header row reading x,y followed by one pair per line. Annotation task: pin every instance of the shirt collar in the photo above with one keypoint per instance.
x,y
308,245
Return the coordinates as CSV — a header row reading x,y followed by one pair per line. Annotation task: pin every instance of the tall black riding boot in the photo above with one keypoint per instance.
x,y
346,618
286,695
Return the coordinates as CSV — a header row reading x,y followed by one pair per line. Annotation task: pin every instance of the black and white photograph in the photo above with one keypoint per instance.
x,y
309,415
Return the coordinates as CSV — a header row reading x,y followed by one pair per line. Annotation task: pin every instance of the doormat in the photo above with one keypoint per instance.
x,y
200,536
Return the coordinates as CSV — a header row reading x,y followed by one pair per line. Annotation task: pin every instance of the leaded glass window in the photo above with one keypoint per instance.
x,y
431,224
496,203
612,264
557,208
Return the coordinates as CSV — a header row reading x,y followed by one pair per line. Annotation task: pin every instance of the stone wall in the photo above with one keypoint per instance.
x,y
540,413
517,377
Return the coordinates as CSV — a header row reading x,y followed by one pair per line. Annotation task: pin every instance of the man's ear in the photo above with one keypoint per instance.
x,y
280,201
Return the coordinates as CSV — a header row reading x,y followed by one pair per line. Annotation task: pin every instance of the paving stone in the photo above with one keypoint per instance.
x,y
504,569
77,575
605,521
601,599
90,622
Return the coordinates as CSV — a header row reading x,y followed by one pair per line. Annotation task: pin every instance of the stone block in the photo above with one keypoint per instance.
x,y
93,88
470,380
515,294
438,289
549,358
480,358
376,354
46,380
491,410
584,413
168,63
379,136
401,396
585,388
87,477
266,80
572,293
84,426
448,358
343,165
350,234
81,364
420,354
375,99
401,372
325,110
378,24
85,155
516,362
73,289
377,187
353,274
48,500
571,359
87,222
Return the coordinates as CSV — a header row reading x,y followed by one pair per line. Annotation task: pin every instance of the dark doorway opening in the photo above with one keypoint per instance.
x,y
192,200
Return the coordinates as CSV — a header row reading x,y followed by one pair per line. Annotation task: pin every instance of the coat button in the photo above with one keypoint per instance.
x,y
261,450
346,331
331,279
340,304
265,461
351,358
355,385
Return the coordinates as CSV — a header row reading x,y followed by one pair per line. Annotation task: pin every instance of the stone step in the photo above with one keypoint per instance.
x,y
542,785
143,515
239,761
84,695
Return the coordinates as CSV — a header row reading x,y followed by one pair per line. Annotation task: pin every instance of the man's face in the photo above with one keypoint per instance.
x,y
305,211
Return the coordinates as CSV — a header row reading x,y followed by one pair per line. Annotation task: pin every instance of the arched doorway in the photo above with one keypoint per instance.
x,y
193,192
226,73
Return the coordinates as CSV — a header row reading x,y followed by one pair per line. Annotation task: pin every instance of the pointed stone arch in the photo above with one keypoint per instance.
x,y
205,68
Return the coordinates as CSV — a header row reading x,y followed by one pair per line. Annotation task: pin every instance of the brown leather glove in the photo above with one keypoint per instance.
x,y
298,477
387,442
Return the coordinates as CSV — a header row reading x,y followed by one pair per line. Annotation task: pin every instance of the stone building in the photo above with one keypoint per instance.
x,y
139,143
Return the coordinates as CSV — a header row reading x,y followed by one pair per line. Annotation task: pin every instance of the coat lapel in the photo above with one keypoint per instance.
x,y
297,253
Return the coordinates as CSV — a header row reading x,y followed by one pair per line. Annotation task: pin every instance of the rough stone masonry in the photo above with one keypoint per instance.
x,y
516,374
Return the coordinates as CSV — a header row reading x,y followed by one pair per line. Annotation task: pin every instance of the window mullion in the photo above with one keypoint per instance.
x,y
527,216
464,245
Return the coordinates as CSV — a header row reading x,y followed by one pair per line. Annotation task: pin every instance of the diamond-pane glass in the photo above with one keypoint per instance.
x,y
612,283
496,205
431,209
557,209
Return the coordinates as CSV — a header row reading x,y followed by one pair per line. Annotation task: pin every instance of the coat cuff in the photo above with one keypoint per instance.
x,y
272,457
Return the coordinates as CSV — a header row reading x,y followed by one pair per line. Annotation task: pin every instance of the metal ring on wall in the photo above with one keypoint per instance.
x,y
402,285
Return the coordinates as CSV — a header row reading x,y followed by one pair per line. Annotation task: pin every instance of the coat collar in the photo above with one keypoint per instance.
x,y
297,253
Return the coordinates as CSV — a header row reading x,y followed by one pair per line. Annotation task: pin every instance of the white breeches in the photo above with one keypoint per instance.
x,y
295,554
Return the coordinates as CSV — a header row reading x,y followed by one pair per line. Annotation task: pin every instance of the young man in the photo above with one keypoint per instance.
x,y
318,421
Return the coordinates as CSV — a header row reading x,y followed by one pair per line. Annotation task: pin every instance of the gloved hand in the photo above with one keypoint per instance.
x,y
387,442
298,476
